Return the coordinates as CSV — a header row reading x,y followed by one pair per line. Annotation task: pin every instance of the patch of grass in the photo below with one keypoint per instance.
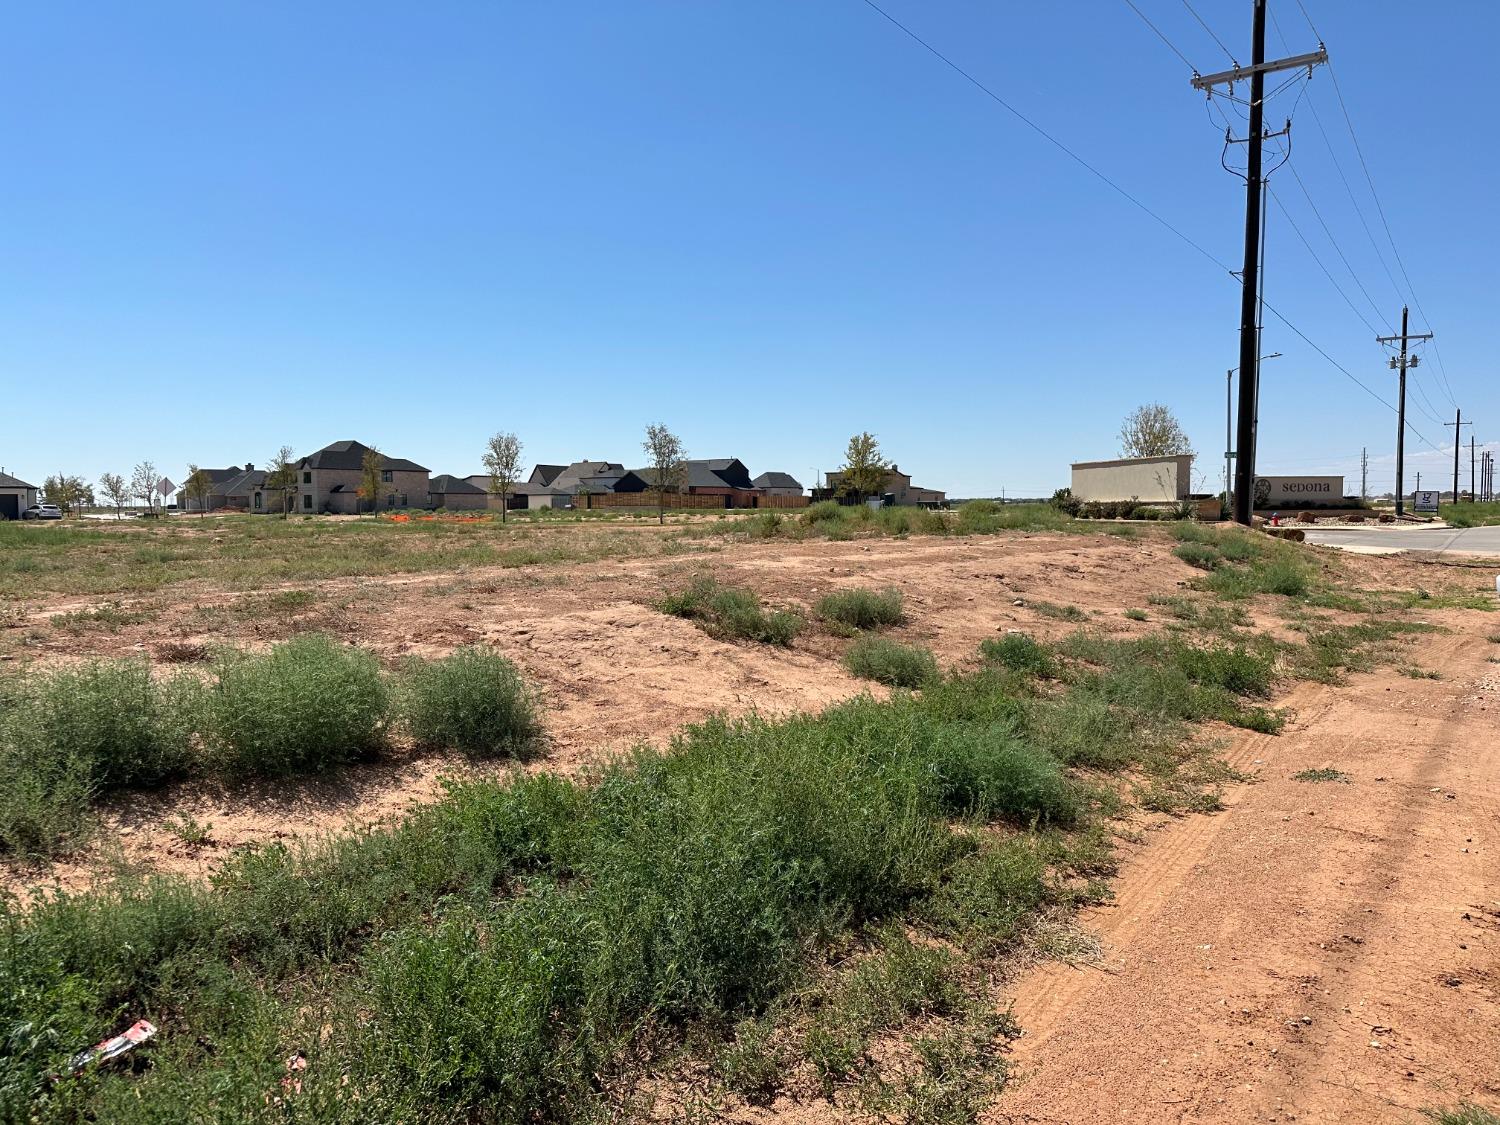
x,y
731,613
1058,612
111,618
1326,773
887,662
305,706
1493,638
1019,653
473,700
1467,1113
862,609
1135,614
1200,555
189,831
1416,673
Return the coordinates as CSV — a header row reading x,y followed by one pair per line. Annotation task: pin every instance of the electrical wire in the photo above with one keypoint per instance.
x,y
1331,280
1337,249
1232,60
1034,127
1170,45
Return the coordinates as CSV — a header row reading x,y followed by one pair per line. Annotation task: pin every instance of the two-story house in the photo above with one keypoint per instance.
x,y
330,479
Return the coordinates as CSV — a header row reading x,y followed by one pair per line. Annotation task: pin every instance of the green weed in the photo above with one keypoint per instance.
x,y
1020,653
862,609
887,662
1326,773
473,700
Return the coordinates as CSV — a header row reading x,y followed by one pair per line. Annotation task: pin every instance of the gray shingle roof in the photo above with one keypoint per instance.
x,y
349,454
777,480
446,483
8,481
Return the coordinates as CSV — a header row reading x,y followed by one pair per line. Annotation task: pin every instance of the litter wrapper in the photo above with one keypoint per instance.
x,y
133,1036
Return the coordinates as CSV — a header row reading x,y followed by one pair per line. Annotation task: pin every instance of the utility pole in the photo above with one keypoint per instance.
x,y
1458,443
1472,495
1228,435
1364,473
1401,365
1244,464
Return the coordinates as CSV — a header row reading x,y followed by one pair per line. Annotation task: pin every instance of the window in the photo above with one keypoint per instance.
x,y
257,499
307,477
306,500
385,475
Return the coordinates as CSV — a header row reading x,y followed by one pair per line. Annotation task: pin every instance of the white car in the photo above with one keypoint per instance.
x,y
42,512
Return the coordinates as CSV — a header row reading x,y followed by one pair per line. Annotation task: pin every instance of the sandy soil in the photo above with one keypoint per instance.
x,y
1320,952
613,672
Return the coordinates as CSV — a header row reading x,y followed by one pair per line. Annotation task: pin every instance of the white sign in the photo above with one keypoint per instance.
x,y
165,486
1425,501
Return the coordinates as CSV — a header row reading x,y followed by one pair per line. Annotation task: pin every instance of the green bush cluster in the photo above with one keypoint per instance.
x,y
731,612
71,735
887,662
862,609
678,888
1020,653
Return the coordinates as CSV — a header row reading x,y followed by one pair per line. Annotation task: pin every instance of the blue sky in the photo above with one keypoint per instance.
x,y
228,227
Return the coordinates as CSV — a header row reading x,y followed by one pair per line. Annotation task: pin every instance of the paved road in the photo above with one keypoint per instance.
x,y
1442,541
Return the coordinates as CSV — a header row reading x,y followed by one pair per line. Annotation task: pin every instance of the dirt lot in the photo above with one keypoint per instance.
x,y
1321,951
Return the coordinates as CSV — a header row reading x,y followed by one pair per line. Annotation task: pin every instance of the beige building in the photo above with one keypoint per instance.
x,y
1151,480
898,487
330,479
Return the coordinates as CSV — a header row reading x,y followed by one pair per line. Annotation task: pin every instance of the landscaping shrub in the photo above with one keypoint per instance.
x,y
306,705
885,661
822,511
1019,652
473,700
986,771
862,609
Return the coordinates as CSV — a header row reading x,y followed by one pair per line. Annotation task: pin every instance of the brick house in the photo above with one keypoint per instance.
x,y
898,487
778,484
329,481
721,476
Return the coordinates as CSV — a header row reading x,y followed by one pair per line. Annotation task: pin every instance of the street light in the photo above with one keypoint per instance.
x,y
1229,422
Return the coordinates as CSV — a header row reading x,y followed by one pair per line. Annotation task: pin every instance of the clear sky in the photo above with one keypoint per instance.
x,y
231,226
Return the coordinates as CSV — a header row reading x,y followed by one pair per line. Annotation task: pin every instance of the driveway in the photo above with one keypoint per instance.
x,y
1441,541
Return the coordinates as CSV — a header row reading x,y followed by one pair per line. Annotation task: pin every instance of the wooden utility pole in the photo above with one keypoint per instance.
x,y
1472,494
1364,473
1401,365
1458,443
1244,464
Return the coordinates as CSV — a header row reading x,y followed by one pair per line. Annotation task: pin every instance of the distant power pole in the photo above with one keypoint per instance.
x,y
1364,474
1472,495
1244,464
1458,443
1401,365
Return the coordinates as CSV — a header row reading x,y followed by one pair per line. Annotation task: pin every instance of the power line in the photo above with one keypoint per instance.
x,y
1331,280
1337,249
1227,53
1034,127
1170,45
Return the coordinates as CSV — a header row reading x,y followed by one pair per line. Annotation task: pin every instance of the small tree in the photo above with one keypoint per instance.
x,y
502,460
371,465
115,490
1153,431
197,488
282,476
67,492
668,463
864,470
143,484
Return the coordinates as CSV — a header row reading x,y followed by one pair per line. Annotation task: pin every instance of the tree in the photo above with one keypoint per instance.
x,y
502,460
667,460
864,470
115,490
282,477
198,487
67,492
143,484
371,467
1153,431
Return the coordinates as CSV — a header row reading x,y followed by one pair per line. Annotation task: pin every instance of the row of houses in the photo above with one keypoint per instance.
x,y
331,480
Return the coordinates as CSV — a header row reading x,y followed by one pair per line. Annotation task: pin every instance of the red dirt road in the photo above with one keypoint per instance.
x,y
1320,951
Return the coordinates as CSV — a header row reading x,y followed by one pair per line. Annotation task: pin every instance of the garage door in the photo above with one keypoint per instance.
x,y
10,507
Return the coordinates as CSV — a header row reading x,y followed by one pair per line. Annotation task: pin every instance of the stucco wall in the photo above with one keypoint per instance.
x,y
1151,480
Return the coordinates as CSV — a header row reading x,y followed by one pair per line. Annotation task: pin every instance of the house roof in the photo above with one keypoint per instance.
x,y
349,454
544,474
8,481
247,481
777,480
719,472
447,483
